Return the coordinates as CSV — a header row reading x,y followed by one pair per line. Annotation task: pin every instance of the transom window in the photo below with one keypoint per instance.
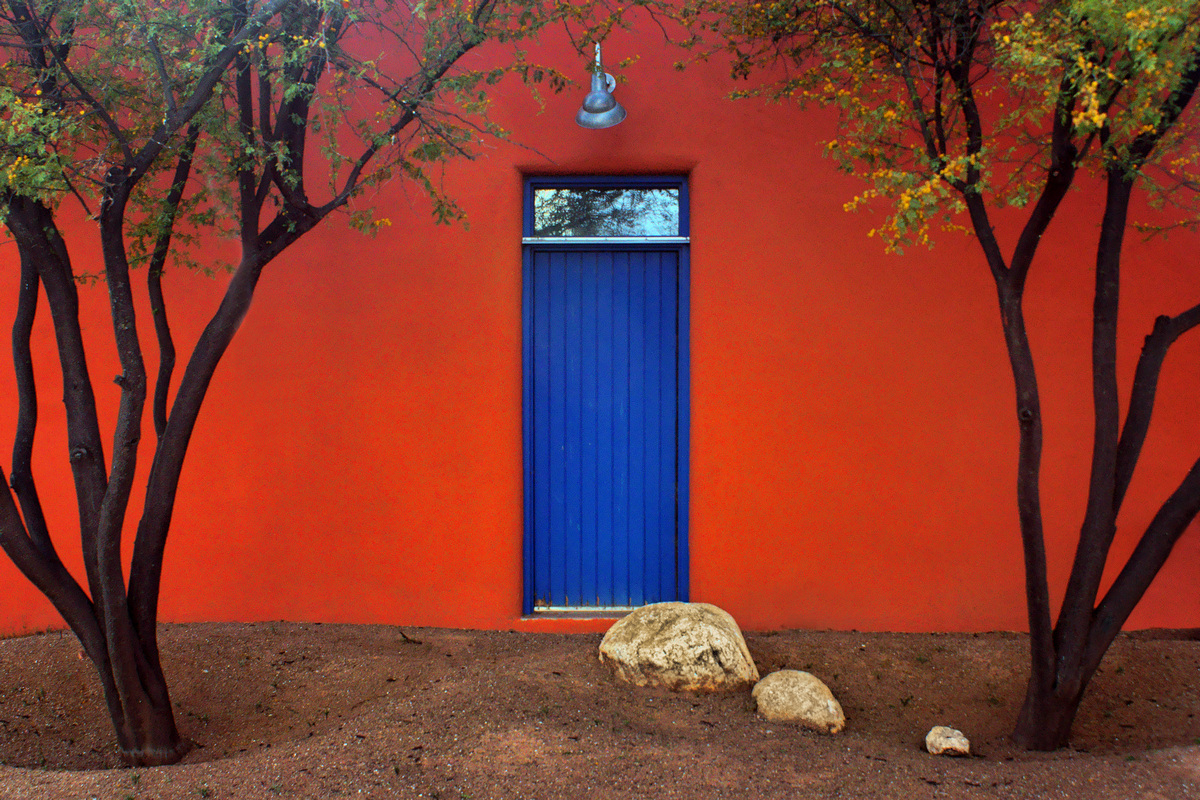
x,y
567,209
606,212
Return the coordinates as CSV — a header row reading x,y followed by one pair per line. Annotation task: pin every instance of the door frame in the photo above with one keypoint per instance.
x,y
679,244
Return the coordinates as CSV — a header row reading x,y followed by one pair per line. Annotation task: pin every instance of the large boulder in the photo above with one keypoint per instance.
x,y
790,695
685,647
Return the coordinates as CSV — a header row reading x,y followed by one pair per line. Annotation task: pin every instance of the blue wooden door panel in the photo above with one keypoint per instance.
x,y
603,425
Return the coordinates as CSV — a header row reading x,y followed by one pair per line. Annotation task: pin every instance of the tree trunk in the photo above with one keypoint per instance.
x,y
135,691
145,724
1046,718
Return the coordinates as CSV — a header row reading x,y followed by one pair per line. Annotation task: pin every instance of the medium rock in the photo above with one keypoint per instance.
x,y
685,647
790,695
943,741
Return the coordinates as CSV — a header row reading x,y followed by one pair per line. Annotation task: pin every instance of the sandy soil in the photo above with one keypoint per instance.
x,y
323,711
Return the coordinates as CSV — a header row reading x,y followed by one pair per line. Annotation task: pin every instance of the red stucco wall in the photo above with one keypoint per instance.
x,y
853,441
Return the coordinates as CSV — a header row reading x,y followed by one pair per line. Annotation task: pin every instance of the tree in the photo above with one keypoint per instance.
x,y
956,109
172,123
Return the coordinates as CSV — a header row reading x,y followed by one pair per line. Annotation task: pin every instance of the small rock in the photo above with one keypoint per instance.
x,y
943,741
685,647
790,695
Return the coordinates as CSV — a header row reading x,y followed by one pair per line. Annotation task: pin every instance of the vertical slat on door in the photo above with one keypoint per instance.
x,y
668,498
607,405
588,431
539,387
557,428
572,440
618,589
637,426
655,480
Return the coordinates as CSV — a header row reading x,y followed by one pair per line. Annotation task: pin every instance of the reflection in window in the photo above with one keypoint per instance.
x,y
605,212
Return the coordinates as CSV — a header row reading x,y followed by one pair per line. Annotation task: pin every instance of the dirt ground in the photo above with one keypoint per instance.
x,y
322,711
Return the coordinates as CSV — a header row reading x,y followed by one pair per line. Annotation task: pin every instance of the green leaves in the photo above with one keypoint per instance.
x,y
947,100
298,105
33,131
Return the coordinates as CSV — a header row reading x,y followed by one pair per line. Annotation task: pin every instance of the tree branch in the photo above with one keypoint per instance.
x,y
430,77
51,578
1059,177
1099,523
145,571
154,272
27,412
111,603
1029,459
1143,565
186,110
1141,400
33,223
167,90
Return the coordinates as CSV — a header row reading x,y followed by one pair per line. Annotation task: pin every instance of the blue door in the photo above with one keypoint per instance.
x,y
605,397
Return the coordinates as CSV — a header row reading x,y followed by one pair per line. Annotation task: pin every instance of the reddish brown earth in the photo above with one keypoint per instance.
x,y
322,711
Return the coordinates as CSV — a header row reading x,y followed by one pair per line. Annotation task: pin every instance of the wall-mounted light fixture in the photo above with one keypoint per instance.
x,y
600,108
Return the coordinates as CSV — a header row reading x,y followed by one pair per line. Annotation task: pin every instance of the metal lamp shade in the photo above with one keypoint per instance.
x,y
600,109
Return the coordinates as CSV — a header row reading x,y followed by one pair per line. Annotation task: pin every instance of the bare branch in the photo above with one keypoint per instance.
x,y
27,411
154,271
33,223
1143,565
1145,385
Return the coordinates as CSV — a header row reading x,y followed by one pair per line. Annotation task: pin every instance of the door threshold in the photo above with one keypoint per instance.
x,y
561,612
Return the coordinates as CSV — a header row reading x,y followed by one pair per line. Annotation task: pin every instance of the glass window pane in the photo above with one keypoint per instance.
x,y
606,212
